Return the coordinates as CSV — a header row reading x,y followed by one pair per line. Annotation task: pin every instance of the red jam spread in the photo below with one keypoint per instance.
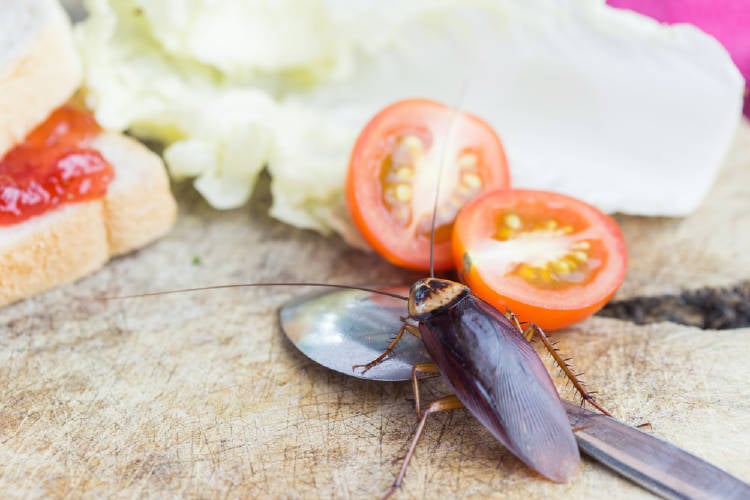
x,y
53,165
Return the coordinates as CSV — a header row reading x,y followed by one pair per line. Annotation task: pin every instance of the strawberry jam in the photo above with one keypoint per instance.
x,y
53,165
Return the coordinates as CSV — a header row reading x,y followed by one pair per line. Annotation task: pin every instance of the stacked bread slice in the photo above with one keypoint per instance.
x,y
40,71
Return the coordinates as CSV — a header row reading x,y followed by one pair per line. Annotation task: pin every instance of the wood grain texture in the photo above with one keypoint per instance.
x,y
200,396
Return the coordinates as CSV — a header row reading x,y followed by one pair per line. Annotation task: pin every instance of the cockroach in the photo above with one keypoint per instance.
x,y
487,359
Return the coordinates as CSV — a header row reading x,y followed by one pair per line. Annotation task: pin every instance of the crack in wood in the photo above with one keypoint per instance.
x,y
710,308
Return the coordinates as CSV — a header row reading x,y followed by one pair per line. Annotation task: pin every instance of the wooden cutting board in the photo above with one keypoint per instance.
x,y
200,395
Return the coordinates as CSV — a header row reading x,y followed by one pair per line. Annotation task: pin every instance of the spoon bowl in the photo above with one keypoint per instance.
x,y
340,328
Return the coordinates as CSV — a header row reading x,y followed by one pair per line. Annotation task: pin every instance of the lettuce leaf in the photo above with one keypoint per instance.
x,y
605,105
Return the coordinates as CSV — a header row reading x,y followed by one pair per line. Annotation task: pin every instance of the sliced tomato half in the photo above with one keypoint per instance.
x,y
393,178
551,259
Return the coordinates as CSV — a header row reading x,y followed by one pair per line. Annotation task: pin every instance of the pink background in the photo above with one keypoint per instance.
x,y
727,20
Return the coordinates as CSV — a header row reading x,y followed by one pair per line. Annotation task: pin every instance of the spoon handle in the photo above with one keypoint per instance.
x,y
656,465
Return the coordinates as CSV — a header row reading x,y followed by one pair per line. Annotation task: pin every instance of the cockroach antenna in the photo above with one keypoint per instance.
x,y
243,285
456,112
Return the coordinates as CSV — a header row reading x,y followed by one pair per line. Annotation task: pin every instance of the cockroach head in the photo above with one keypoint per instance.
x,y
429,295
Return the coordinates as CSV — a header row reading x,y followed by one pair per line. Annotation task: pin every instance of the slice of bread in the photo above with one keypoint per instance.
x,y
39,71
139,206
39,66
76,239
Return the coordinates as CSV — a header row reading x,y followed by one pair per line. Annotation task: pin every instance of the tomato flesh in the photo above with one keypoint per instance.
x,y
53,165
393,171
551,259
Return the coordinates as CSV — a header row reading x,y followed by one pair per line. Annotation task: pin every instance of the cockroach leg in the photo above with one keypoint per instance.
x,y
514,319
529,333
585,395
420,368
406,327
443,404
413,330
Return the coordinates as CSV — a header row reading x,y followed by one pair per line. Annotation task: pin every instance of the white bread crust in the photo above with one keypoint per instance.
x,y
139,206
61,246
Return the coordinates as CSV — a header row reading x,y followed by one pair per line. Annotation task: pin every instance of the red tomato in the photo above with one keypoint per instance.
x,y
393,172
551,259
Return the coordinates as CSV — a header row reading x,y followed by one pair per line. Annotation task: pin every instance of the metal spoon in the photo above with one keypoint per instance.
x,y
340,328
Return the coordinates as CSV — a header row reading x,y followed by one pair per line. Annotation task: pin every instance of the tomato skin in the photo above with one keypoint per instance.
x,y
558,304
364,183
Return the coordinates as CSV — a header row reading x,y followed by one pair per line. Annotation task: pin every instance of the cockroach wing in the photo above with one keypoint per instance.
x,y
500,379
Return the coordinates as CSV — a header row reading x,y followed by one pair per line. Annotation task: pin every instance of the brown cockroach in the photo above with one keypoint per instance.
x,y
487,359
